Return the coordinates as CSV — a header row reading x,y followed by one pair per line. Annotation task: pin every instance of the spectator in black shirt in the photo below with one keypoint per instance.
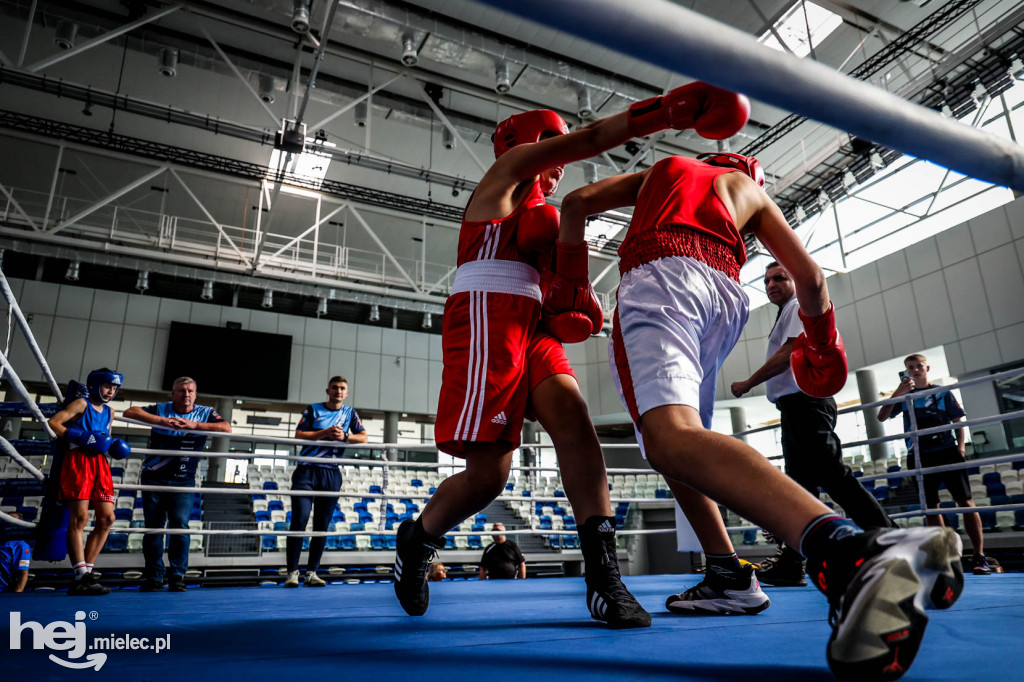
x,y
502,560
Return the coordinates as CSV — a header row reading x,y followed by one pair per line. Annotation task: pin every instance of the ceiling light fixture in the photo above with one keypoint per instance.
x,y
502,84
207,293
876,161
64,38
584,109
321,307
266,90
300,16
589,173
374,313
168,62
268,299
409,55
448,138
72,272
142,283
801,214
428,321
849,179
361,110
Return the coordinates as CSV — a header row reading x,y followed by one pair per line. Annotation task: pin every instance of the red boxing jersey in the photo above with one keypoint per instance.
x,y
679,213
496,239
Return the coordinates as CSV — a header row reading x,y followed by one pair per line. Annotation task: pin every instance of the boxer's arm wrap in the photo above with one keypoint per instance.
x,y
819,356
714,113
95,442
571,310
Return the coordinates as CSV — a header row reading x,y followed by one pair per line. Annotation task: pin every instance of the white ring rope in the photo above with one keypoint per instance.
x,y
26,330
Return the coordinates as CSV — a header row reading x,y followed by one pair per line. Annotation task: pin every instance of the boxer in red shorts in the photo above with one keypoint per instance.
x,y
83,430
678,315
497,364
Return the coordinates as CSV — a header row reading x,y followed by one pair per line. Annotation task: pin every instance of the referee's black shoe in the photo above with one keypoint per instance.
x,y
608,599
413,554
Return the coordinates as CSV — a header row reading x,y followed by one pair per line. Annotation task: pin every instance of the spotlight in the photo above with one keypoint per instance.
x,y
142,283
207,293
849,179
361,111
428,321
876,161
409,56
374,313
583,107
168,61
321,307
455,191
801,214
823,199
72,272
65,35
300,16
87,109
979,91
502,84
266,88
448,138
589,173
320,136
268,299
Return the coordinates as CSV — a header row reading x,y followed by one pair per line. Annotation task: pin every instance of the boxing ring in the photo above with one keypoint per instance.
x,y
536,627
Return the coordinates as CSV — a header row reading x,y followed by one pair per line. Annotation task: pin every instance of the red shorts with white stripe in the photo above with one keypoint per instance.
x,y
484,384
545,357
86,477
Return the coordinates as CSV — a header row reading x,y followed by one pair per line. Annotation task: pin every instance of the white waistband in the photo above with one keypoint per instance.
x,y
498,276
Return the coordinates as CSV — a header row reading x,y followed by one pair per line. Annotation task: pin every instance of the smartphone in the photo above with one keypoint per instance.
x,y
903,375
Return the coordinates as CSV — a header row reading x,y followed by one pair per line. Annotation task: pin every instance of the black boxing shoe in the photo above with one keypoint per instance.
x,y
607,598
784,569
413,553
87,585
878,584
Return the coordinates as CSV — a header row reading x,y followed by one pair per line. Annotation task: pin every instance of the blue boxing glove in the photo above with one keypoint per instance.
x,y
93,442
119,449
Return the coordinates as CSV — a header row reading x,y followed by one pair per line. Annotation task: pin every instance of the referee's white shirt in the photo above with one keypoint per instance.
x,y
787,325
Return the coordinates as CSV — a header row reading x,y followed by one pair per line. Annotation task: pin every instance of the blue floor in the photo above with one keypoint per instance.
x,y
491,631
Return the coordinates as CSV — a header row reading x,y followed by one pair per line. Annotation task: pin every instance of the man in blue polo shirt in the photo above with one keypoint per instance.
x,y
330,420
165,508
15,556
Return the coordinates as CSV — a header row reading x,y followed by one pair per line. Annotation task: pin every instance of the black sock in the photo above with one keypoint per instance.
x,y
726,566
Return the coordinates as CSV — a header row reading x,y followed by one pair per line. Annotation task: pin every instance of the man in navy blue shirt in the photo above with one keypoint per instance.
x,y
166,508
937,449
15,556
330,420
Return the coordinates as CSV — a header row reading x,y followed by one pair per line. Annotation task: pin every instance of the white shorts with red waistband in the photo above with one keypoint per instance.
x,y
676,321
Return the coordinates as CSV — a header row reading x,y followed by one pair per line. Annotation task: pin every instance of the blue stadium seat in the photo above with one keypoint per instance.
x,y
991,477
270,485
392,541
570,522
262,516
337,516
881,493
356,527
510,486
122,514
116,542
545,523
559,493
449,542
478,528
570,541
475,542
117,471
281,525
334,542
480,518
348,542
416,483
275,505
269,543
553,541
375,490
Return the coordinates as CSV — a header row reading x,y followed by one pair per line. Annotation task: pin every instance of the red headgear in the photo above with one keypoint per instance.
x,y
526,127
747,164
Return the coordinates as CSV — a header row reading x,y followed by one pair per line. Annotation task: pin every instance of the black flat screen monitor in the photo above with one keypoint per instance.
x,y
229,362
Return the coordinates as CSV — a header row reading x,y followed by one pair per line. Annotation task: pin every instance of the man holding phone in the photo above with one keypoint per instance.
x,y
936,449
810,447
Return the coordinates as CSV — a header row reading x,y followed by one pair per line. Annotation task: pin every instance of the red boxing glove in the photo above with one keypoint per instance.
x,y
715,114
571,311
538,229
819,357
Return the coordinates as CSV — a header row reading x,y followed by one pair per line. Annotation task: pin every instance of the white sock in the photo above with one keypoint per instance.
x,y
81,569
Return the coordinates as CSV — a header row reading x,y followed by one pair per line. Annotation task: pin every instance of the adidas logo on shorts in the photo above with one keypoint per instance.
x,y
499,418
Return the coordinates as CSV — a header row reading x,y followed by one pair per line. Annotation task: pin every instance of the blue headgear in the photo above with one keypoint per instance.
x,y
98,377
